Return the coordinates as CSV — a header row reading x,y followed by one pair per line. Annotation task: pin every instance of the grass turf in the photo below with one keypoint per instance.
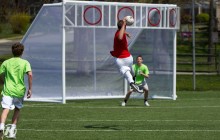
x,y
194,115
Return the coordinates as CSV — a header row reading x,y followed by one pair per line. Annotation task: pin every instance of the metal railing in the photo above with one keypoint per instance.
x,y
106,14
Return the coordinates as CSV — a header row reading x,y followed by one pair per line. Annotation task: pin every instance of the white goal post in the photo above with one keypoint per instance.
x,y
68,46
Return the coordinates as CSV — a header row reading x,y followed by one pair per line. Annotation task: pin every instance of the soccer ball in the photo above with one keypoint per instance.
x,y
129,20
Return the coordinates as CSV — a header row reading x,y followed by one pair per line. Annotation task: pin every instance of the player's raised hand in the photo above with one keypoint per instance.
x,y
124,19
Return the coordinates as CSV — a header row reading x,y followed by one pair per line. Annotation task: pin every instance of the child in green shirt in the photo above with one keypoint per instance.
x,y
141,72
14,70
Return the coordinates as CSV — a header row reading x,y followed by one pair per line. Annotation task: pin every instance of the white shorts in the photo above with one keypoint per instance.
x,y
12,102
124,64
143,86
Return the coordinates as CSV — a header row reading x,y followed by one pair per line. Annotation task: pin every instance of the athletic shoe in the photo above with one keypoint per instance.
x,y
123,104
12,134
146,103
135,87
1,134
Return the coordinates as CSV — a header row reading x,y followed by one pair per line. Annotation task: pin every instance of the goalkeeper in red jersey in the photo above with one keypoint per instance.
x,y
121,54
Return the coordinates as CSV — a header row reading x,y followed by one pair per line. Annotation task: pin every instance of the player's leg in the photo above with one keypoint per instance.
x,y
16,116
127,75
126,97
7,104
130,74
145,89
4,116
18,102
13,131
129,63
123,66
146,98
130,79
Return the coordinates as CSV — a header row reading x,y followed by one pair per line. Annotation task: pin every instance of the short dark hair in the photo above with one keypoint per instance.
x,y
17,49
120,23
139,56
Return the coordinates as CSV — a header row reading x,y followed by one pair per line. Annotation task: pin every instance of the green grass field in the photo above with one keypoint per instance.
x,y
193,116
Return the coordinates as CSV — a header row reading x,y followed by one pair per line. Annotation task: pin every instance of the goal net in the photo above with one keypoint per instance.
x,y
68,46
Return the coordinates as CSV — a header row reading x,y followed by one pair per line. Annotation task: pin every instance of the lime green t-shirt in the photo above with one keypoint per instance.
x,y
14,70
143,68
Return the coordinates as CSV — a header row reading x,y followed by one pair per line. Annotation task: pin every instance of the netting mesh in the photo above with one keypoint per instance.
x,y
156,47
43,47
90,71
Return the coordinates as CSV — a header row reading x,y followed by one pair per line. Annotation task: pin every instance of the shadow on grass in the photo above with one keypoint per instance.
x,y
100,126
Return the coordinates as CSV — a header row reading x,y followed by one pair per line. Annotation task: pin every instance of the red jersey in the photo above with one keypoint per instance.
x,y
120,47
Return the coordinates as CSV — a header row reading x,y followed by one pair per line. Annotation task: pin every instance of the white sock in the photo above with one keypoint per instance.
x,y
2,126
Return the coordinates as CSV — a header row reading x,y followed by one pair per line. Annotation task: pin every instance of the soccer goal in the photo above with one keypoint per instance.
x,y
68,46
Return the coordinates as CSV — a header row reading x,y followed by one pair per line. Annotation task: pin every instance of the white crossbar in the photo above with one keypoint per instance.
x,y
106,14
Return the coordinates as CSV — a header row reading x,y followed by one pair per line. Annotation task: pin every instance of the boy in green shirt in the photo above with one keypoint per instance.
x,y
141,72
14,70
